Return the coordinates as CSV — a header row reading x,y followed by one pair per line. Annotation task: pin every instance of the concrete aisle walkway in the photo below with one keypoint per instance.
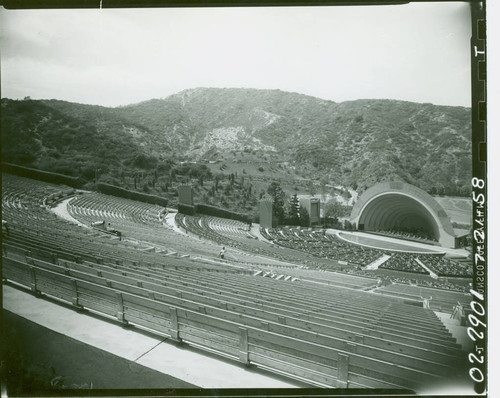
x,y
35,355
62,211
183,362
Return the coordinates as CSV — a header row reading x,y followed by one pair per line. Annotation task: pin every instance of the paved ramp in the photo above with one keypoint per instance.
x,y
378,262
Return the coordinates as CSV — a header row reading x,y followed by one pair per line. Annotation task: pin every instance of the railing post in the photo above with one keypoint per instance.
x,y
174,324
243,352
75,294
120,315
343,371
34,289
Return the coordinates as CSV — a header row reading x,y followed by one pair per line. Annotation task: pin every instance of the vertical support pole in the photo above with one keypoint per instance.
x,y
343,370
75,294
34,289
174,324
243,352
120,315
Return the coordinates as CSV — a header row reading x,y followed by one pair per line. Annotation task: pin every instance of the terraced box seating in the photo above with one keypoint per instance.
x,y
322,334
324,245
404,262
330,246
416,236
443,266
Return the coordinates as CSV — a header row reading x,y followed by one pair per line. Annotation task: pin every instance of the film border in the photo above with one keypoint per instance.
x,y
478,319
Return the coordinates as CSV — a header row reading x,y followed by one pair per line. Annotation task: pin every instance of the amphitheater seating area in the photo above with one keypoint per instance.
x,y
323,334
332,247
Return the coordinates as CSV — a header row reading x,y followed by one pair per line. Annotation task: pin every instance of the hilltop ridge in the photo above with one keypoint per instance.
x,y
354,143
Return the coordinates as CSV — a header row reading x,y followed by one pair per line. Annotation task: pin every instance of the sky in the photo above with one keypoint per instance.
x,y
417,52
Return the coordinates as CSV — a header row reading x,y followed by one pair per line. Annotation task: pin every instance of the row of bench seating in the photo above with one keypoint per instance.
x,y
426,350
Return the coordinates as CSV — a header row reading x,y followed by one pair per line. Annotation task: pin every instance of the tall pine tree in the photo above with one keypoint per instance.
x,y
293,210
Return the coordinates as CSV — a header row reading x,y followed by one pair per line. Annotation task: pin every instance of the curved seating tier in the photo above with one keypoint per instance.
x,y
200,226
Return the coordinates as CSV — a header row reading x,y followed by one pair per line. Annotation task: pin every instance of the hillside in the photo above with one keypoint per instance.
x,y
361,142
264,133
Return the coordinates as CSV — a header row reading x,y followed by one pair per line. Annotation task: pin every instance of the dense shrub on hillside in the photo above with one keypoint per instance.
x,y
193,170
218,212
46,176
125,193
186,209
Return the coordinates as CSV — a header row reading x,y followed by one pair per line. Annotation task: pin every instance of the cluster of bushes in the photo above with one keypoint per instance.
x,y
47,176
125,193
338,224
218,212
212,211
186,209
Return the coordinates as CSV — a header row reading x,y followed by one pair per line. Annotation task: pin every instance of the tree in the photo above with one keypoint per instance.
x,y
323,183
304,218
311,188
293,210
278,196
333,209
348,225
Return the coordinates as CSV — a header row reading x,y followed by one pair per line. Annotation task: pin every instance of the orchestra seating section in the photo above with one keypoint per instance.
x,y
404,262
323,245
444,266
330,246
330,334
417,236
